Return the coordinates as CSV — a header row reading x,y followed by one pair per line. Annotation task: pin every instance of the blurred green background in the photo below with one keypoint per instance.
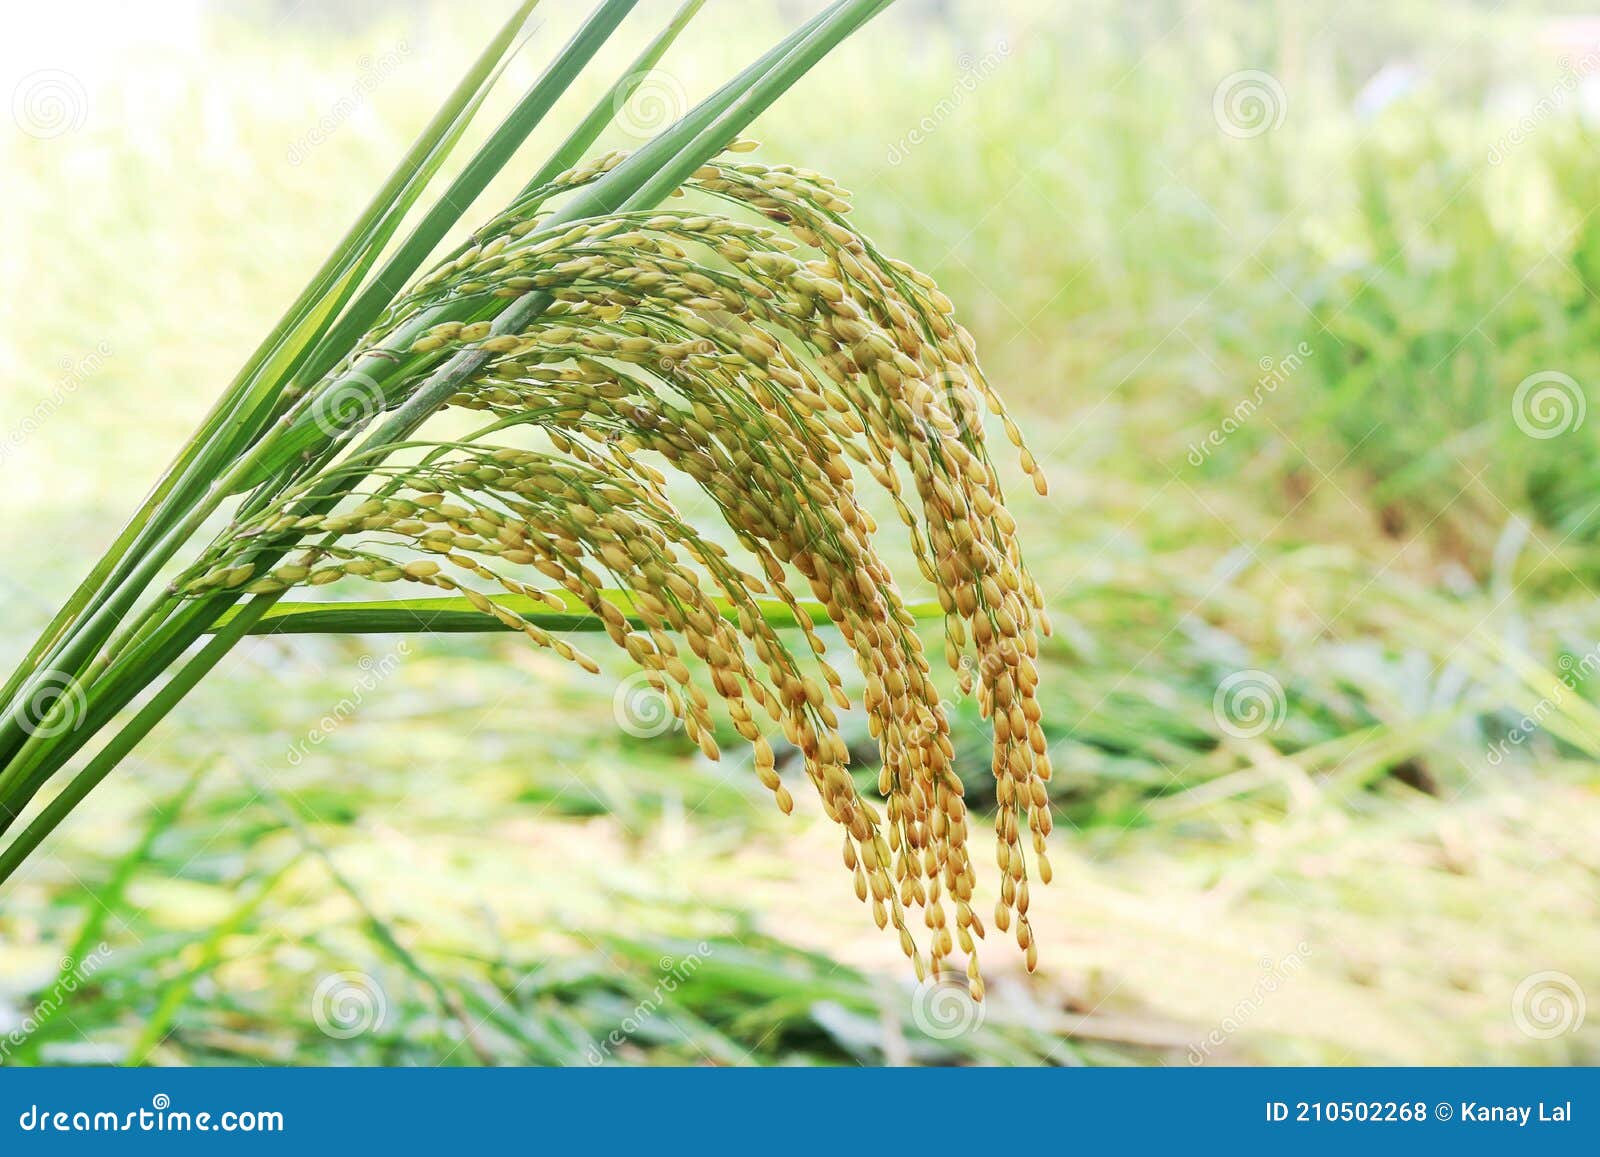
x,y
1298,305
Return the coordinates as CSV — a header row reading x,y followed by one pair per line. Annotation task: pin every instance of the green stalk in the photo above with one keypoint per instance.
x,y
644,179
464,190
104,899
577,145
686,145
840,22
453,614
71,657
294,330
108,757
33,766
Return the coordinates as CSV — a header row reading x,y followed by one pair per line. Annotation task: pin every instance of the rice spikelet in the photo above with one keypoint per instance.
x,y
775,357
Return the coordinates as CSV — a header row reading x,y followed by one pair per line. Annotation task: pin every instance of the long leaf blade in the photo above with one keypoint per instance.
x,y
454,614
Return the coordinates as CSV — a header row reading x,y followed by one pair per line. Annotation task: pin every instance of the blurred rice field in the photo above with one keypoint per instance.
x,y
1299,306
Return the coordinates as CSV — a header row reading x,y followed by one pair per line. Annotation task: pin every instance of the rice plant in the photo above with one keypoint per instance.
x,y
752,343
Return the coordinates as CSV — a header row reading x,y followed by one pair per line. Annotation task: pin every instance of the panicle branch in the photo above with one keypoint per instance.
x,y
776,358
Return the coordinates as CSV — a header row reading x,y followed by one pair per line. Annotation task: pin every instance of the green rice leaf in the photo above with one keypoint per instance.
x,y
453,614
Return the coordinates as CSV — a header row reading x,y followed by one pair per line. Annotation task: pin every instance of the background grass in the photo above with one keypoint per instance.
x,y
1374,541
